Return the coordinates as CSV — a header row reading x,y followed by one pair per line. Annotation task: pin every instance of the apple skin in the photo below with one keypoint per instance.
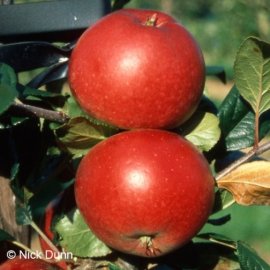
x,y
27,264
132,75
144,192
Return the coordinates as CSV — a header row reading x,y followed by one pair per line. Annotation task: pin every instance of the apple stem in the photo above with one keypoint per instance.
x,y
152,21
151,250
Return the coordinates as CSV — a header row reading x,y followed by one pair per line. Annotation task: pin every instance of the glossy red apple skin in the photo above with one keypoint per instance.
x,y
137,76
144,192
27,264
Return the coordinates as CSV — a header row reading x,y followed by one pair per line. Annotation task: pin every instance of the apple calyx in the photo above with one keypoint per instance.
x,y
150,249
152,20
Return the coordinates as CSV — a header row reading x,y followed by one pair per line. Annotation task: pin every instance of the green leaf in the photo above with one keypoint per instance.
x,y
219,221
113,266
232,111
249,259
27,91
206,132
8,94
8,91
223,199
23,209
23,214
74,111
5,236
7,75
76,237
242,136
237,122
14,171
252,73
79,135
217,71
72,108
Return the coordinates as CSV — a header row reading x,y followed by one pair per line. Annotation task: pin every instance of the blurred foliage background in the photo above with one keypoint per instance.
x,y
220,27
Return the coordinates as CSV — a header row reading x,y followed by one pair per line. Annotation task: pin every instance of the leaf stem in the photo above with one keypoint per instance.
x,y
51,115
229,243
253,152
44,237
222,243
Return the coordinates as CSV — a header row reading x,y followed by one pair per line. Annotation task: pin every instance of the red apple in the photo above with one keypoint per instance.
x,y
137,69
144,192
27,264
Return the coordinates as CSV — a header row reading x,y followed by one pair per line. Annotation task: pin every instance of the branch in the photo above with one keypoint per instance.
x,y
51,115
254,152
